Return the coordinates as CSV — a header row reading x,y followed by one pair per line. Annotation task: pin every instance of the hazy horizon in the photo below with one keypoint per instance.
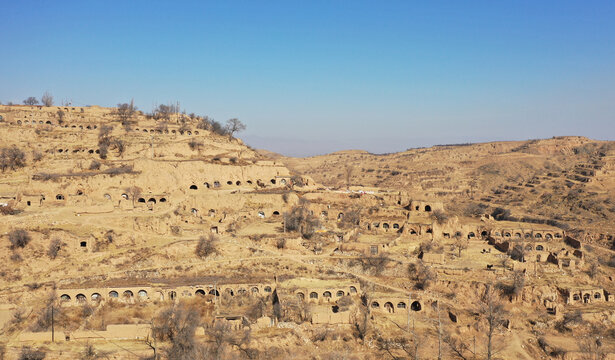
x,y
317,77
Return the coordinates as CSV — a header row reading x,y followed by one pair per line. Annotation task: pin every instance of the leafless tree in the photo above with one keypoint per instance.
x,y
374,263
591,345
492,312
204,123
457,348
30,101
60,114
177,325
593,269
348,172
460,244
300,219
234,125
126,112
54,248
47,99
133,192
12,158
421,274
222,336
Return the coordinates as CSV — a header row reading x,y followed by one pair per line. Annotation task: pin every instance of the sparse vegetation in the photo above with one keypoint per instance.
x,y
207,246
421,274
12,158
47,99
54,248
19,238
233,126
126,112
30,101
301,220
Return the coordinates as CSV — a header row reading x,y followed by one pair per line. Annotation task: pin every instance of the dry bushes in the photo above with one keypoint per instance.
x,y
19,238
299,219
12,158
28,353
206,246
177,326
421,274
54,248
8,210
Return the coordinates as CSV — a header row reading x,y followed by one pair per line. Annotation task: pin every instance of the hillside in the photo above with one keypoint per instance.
x,y
566,179
140,236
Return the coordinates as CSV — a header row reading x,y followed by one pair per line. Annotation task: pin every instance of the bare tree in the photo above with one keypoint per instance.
x,y
591,345
421,274
457,348
204,123
30,101
177,325
460,244
593,269
47,99
60,115
234,125
125,112
12,158
300,219
492,312
134,192
348,172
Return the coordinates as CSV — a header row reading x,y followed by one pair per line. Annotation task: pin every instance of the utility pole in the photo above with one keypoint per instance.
x,y
409,302
439,332
52,326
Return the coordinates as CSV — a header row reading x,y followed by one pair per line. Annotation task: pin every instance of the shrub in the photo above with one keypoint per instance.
x,y
439,216
37,155
204,123
31,354
54,248
351,218
120,170
60,115
422,274
8,210
300,219
12,158
217,128
95,165
194,144
474,209
177,325
281,243
206,246
19,238
500,214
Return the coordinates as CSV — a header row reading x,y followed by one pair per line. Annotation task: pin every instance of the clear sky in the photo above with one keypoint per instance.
x,y
310,77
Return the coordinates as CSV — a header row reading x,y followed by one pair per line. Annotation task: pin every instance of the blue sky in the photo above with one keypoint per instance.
x,y
310,77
